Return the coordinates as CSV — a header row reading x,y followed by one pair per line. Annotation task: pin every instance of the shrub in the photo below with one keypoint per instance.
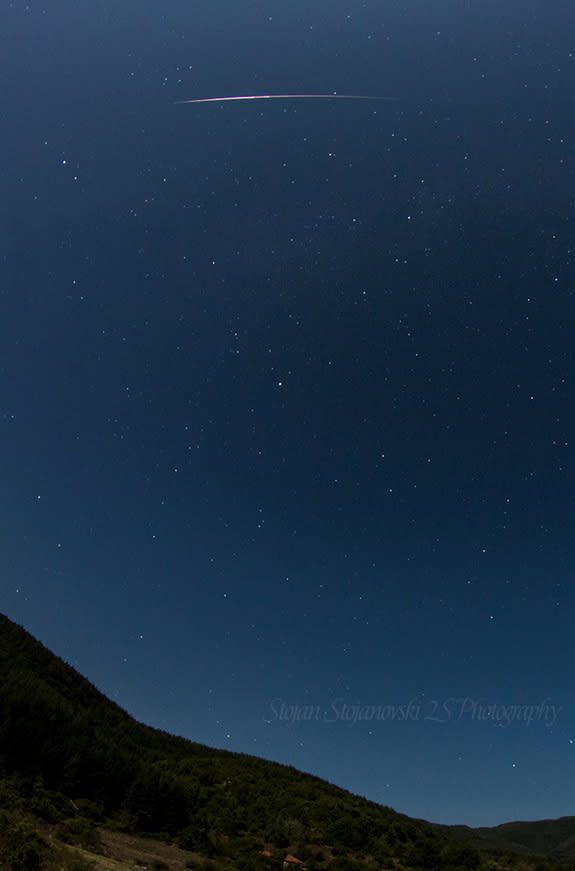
x,y
24,858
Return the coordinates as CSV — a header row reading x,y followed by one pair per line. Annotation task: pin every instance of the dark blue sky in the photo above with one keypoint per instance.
x,y
286,388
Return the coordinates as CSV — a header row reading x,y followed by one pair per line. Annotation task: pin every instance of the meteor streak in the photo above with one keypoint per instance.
x,y
285,97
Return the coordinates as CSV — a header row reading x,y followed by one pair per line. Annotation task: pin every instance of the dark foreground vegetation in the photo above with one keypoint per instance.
x,y
80,779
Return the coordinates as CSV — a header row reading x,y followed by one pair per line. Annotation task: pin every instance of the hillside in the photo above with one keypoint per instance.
x,y
552,838
80,766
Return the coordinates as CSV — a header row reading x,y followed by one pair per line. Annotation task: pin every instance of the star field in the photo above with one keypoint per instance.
x,y
286,389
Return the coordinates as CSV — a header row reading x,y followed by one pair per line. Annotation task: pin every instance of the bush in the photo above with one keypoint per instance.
x,y
91,810
25,858
20,847
344,863
80,832
45,809
461,856
78,864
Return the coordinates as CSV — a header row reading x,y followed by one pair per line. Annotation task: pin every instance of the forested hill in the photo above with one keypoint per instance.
x,y
55,724
552,838
65,749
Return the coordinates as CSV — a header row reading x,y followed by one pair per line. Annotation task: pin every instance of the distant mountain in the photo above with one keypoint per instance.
x,y
552,838
76,761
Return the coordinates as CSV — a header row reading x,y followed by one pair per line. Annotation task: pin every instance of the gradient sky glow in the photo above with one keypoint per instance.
x,y
286,388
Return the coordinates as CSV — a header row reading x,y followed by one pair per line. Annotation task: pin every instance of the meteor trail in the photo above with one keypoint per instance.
x,y
285,97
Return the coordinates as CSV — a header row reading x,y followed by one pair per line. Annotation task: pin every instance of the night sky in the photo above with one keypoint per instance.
x,y
286,387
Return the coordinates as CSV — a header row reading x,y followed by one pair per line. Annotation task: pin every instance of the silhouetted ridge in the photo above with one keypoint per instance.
x,y
66,750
